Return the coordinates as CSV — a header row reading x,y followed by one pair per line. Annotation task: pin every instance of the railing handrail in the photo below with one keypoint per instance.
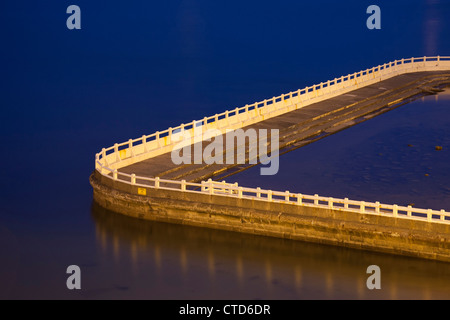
x,y
233,190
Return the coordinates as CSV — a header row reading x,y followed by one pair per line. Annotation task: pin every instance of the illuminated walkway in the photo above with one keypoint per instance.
x,y
139,178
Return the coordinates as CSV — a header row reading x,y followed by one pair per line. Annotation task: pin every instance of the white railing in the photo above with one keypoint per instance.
x,y
109,160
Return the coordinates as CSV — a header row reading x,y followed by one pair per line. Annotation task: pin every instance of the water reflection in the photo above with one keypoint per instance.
x,y
444,95
174,261
432,27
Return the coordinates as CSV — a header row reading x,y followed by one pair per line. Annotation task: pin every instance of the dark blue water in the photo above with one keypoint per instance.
x,y
136,67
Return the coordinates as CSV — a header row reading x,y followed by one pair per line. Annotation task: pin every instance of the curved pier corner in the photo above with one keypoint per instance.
x,y
137,177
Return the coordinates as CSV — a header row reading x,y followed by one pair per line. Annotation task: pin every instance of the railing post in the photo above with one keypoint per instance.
x,y
133,178
429,215
286,197
170,136
316,199
227,117
144,143
104,155
235,185
442,215
258,192
249,115
224,186
157,138
115,174
130,146
183,185
408,212
211,186
377,207
240,192
299,199
116,152
269,195
330,202
157,182
438,59
345,203
362,207
395,210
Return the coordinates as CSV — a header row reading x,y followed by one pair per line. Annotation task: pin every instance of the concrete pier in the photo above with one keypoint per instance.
x,y
138,177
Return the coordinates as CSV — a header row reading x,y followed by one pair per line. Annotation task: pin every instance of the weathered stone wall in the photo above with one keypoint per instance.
x,y
322,225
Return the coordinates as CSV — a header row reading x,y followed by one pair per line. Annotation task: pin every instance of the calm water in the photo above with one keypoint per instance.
x,y
139,67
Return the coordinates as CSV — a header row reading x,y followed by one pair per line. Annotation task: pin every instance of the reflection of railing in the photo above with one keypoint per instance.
x,y
109,160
